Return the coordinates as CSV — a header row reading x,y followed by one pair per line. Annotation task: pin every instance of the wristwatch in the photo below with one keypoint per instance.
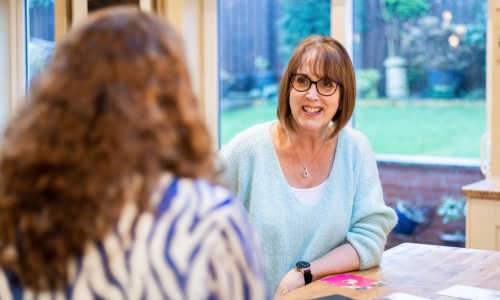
x,y
305,268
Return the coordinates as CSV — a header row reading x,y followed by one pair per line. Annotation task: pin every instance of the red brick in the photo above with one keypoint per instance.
x,y
428,184
445,189
458,181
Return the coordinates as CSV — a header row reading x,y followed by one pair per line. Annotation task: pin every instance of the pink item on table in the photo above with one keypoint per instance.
x,y
353,281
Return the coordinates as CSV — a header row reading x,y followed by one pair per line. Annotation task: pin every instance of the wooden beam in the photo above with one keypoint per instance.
x,y
174,13
493,57
62,14
337,20
17,41
79,11
210,68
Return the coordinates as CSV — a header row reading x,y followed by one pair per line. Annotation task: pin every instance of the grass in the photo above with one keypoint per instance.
x,y
234,121
437,128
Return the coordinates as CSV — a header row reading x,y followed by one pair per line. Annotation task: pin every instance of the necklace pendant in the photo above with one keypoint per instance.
x,y
305,174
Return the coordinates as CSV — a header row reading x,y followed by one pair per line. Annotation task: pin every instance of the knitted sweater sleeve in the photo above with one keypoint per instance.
x,y
371,219
235,162
227,164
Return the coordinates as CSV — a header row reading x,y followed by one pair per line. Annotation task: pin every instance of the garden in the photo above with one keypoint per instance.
x,y
41,38
436,128
420,73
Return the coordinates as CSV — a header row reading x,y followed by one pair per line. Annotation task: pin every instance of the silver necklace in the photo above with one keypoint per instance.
x,y
305,173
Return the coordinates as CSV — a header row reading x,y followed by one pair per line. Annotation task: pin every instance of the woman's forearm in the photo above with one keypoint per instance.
x,y
341,259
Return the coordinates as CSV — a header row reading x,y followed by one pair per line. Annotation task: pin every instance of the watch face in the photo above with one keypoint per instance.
x,y
302,265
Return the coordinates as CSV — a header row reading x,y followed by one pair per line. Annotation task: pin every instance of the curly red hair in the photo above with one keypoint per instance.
x,y
115,103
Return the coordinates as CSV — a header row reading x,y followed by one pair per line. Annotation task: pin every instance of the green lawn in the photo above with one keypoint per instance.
x,y
439,128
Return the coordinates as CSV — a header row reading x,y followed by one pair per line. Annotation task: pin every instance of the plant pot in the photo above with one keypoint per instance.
x,y
444,84
241,82
409,216
261,79
453,240
235,100
225,86
396,81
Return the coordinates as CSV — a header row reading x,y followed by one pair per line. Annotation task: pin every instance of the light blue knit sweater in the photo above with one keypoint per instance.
x,y
350,208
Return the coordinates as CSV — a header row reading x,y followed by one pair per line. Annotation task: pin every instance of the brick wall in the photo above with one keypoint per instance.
x,y
424,185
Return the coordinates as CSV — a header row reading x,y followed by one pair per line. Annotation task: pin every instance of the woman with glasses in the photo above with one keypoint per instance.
x,y
311,184
106,178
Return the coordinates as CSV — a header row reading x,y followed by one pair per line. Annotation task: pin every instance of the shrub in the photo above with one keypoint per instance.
x,y
452,209
428,44
40,52
45,3
366,82
298,20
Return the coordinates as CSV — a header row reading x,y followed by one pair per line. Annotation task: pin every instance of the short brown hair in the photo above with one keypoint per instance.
x,y
330,60
115,104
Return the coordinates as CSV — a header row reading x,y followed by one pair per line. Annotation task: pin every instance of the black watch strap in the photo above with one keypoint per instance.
x,y
305,268
308,276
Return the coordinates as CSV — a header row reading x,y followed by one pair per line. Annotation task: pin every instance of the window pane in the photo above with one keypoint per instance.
x,y
257,38
421,75
40,35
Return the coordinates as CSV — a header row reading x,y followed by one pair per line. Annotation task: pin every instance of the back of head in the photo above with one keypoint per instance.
x,y
114,105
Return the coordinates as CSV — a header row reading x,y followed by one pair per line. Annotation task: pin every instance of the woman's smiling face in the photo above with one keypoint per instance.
x,y
310,109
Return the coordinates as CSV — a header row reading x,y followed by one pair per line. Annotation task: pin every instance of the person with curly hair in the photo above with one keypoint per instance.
x,y
107,188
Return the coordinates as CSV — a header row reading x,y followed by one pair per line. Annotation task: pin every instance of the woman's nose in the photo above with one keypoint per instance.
x,y
312,93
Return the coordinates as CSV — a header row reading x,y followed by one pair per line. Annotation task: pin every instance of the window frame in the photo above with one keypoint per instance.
x,y
17,52
204,59
339,10
197,21
493,91
342,13
79,9
18,42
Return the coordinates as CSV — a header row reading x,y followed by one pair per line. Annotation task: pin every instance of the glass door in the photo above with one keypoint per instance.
x,y
40,36
421,76
257,38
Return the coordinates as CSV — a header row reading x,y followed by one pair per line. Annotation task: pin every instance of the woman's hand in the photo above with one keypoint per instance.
x,y
290,282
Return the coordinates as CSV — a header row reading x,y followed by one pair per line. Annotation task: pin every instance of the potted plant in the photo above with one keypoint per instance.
x,y
445,50
263,76
366,83
453,209
227,81
393,13
409,217
241,82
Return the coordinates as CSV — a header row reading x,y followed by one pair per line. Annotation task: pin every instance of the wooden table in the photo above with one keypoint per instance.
x,y
420,270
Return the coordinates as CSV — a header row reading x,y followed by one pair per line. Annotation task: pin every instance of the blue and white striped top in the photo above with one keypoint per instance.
x,y
196,244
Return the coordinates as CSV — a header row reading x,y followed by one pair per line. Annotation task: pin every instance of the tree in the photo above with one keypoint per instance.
x,y
298,20
45,3
395,11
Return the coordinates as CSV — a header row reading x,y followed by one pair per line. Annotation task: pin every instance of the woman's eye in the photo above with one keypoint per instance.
x,y
327,84
301,80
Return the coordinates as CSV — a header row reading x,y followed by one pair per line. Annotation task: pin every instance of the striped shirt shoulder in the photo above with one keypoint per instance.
x,y
196,244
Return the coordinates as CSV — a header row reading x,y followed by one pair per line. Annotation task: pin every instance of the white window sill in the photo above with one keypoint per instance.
x,y
428,160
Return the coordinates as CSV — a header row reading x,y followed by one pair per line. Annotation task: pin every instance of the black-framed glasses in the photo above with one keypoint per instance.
x,y
324,86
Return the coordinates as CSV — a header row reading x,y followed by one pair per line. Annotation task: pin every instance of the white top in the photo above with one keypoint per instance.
x,y
310,195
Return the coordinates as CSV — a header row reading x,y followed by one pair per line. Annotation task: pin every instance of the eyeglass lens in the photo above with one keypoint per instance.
x,y
325,86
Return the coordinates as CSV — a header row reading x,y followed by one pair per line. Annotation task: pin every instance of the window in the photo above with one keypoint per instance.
x,y
421,75
40,35
257,39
